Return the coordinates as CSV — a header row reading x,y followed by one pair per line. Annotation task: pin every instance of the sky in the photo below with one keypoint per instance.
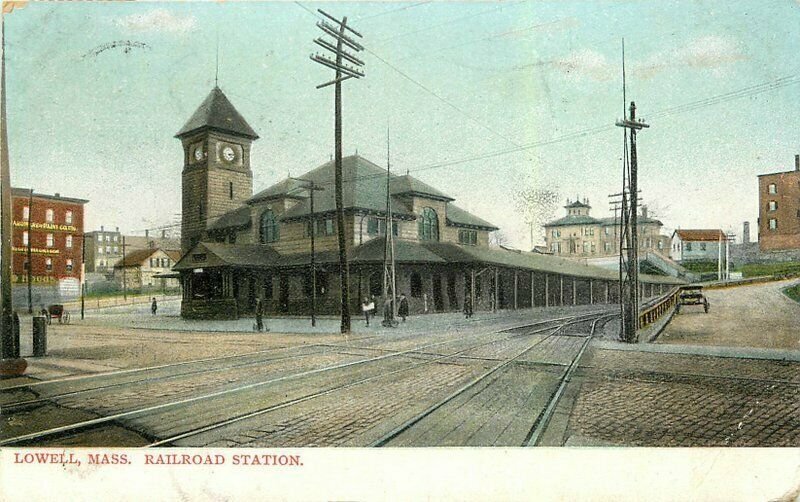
x,y
482,100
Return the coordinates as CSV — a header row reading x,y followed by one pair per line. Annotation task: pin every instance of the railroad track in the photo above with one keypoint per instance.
x,y
175,404
541,421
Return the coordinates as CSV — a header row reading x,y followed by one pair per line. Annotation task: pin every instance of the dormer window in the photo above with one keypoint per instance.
x,y
429,225
269,231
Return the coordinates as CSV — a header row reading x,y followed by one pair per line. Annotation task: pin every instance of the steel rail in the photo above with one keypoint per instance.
x,y
269,409
132,413
543,419
419,417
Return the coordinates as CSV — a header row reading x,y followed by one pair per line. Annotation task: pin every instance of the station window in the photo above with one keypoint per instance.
x,y
773,224
688,246
230,189
269,227
773,205
50,240
429,225
469,237
100,250
702,246
68,241
48,216
607,247
99,238
268,287
773,188
372,226
68,217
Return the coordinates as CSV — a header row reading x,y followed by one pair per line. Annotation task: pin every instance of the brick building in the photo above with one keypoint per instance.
x,y
238,247
53,227
103,250
779,210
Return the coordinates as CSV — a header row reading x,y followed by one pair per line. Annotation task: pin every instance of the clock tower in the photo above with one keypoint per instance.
x,y
216,165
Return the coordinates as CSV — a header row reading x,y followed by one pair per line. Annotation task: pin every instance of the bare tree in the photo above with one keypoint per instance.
x,y
498,238
537,205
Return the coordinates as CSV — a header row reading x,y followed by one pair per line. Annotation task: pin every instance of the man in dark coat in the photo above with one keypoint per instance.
x,y
402,307
259,315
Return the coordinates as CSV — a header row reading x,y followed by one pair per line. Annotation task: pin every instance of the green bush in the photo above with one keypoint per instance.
x,y
793,292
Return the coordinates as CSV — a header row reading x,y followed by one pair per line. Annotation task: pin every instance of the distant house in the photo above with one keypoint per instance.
x,y
140,267
696,245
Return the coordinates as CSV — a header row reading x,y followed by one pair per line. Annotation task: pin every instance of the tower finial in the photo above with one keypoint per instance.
x,y
216,69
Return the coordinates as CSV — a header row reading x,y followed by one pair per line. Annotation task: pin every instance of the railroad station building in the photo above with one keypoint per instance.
x,y
238,246
51,228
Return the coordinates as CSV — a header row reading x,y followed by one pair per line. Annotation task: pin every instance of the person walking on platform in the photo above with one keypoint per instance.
x,y
402,307
367,307
154,306
259,315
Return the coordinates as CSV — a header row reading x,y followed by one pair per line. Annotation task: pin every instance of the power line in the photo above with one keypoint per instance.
x,y
391,11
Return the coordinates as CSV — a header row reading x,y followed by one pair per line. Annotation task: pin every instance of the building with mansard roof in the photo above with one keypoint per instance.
x,y
580,235
239,246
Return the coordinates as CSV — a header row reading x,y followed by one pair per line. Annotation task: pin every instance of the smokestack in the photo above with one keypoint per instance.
x,y
797,162
746,232
146,233
163,234
117,230
101,228
644,211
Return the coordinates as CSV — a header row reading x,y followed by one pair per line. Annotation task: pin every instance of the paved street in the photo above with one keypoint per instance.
x,y
437,380
759,315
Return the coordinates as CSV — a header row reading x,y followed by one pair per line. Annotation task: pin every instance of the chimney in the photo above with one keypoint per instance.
x,y
101,228
57,195
163,234
797,162
746,232
644,211
117,230
146,233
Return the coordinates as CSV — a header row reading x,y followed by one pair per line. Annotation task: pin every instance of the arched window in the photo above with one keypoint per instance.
x,y
429,225
269,227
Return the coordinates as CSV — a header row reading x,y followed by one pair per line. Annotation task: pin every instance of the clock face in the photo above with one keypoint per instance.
x,y
228,154
198,153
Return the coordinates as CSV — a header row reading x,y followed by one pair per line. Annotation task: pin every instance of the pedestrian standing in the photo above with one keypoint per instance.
x,y
259,315
468,307
367,307
154,306
402,307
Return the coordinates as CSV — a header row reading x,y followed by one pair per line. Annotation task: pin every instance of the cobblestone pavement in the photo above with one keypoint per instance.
x,y
352,418
644,399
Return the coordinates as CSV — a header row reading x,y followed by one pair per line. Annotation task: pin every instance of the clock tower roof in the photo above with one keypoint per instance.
x,y
216,112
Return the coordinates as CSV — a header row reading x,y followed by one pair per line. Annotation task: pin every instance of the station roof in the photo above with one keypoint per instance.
x,y
406,251
216,112
363,190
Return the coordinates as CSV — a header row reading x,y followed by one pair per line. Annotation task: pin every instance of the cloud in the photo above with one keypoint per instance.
x,y
704,53
158,20
586,62
709,52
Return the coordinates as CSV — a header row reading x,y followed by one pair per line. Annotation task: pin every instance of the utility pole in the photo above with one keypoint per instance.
x,y
10,362
124,272
389,278
312,187
29,272
337,32
83,274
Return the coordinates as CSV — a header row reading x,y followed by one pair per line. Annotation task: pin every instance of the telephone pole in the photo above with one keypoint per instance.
x,y
339,33
312,187
630,198
389,278
124,272
29,273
